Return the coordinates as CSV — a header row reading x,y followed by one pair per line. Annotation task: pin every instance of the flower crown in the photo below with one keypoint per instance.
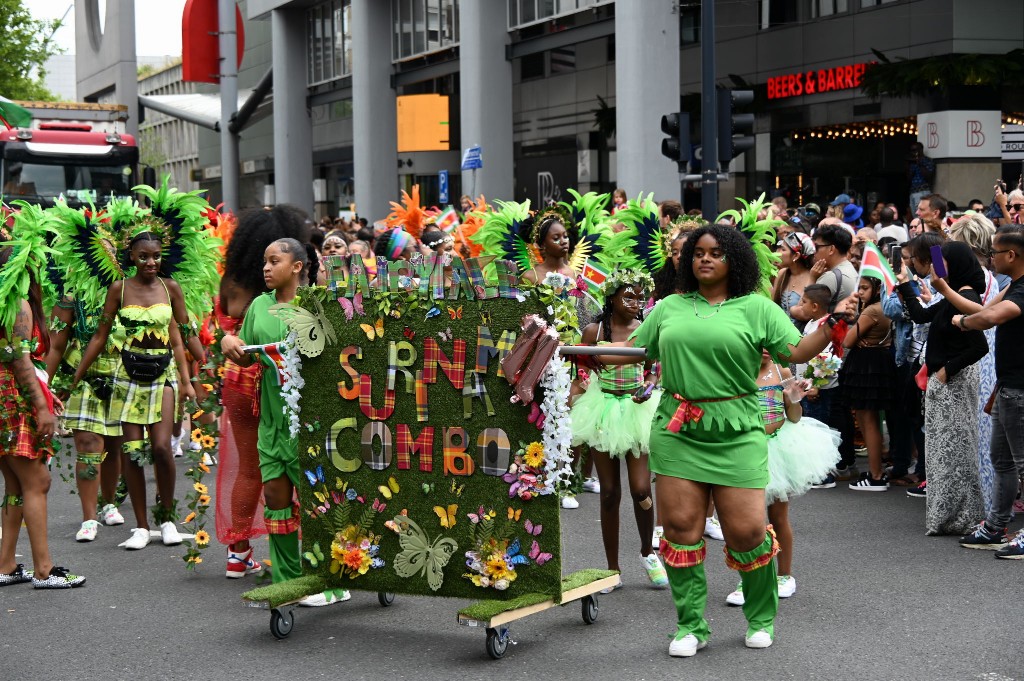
x,y
627,277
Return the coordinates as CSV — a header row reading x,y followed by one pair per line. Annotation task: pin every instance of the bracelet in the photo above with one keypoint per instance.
x,y
963,321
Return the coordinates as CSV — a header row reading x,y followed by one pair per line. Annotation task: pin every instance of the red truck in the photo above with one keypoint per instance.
x,y
73,149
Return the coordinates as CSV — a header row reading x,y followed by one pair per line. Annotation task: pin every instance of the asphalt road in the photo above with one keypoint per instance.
x,y
876,599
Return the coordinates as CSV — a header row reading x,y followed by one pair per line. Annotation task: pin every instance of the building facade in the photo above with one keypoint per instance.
x,y
569,93
169,145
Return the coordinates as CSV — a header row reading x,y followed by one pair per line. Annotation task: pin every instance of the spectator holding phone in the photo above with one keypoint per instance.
x,y
951,409
1011,205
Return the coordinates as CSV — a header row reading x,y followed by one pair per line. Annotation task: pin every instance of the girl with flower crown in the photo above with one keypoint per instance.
x,y
614,418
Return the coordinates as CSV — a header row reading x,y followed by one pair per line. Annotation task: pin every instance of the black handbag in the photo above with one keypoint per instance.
x,y
144,368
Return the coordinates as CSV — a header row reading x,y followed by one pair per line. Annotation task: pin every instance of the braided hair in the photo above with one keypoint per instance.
x,y
606,315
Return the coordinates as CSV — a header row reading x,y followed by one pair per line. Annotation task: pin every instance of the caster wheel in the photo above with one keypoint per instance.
x,y
385,598
281,623
497,644
589,604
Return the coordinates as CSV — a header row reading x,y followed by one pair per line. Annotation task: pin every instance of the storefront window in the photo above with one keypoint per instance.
x,y
423,26
329,41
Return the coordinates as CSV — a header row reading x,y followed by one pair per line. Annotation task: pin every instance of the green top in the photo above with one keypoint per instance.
x,y
717,356
260,328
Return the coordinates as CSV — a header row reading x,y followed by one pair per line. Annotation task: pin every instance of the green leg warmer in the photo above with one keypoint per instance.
x,y
11,500
760,584
283,533
138,451
685,568
89,464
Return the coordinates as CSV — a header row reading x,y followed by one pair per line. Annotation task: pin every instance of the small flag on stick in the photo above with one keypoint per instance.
x,y
447,220
875,265
595,276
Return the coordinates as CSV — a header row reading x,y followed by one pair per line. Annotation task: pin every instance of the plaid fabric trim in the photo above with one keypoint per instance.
x,y
377,460
678,556
282,520
422,446
366,400
689,412
85,411
422,408
479,391
508,281
624,377
334,269
456,460
455,369
486,348
395,364
142,403
460,280
18,437
495,450
760,561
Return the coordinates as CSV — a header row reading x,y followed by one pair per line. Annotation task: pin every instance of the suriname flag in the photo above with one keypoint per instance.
x,y
875,265
595,276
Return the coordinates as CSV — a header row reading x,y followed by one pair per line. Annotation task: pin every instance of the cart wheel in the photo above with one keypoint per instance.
x,y
385,598
281,623
496,644
589,609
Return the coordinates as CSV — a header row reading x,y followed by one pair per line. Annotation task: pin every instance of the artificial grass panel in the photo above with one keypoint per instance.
x,y
325,509
286,592
485,610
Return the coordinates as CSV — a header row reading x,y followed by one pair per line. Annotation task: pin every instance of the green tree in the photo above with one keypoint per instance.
x,y
26,45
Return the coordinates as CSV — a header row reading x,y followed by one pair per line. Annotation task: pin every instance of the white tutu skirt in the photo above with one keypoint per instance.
x,y
799,455
613,424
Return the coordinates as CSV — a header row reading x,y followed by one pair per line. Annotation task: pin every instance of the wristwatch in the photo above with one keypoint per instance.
x,y
963,321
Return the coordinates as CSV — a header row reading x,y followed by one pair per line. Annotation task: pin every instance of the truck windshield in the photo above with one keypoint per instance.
x,y
77,183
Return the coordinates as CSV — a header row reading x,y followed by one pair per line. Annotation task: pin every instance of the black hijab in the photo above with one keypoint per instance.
x,y
963,267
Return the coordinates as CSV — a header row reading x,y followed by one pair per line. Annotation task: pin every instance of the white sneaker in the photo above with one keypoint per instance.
x,y
713,529
194,446
592,485
570,502
736,597
176,445
659,532
787,586
760,639
88,531
687,646
138,540
169,534
111,516
655,571
209,460
325,598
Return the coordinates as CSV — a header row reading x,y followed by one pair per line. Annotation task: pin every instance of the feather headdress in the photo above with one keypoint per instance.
x,y
500,234
31,230
87,250
593,231
410,216
762,237
642,245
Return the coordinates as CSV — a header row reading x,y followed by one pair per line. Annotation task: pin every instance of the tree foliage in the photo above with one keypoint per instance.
x,y
908,77
26,45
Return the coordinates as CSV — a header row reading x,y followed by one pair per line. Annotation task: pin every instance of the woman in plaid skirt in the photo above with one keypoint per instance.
x,y
147,393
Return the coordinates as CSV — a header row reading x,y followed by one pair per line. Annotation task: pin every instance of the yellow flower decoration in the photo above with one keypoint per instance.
x,y
204,468
197,434
534,455
196,560
200,487
208,387
208,442
202,538
196,416
204,499
189,518
221,372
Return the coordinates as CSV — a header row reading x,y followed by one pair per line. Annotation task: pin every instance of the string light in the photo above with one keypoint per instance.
x,y
872,130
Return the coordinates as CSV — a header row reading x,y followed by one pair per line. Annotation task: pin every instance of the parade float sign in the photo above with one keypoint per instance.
x,y
423,472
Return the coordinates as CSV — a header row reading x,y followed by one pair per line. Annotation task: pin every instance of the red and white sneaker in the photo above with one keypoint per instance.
x,y
242,564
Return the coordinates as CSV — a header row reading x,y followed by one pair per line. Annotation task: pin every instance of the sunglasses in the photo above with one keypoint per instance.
x,y
1016,206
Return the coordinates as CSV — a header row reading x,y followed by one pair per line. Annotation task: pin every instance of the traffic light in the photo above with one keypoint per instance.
x,y
735,131
677,145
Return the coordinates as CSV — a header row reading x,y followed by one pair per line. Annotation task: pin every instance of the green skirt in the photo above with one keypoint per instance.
x,y
142,403
88,411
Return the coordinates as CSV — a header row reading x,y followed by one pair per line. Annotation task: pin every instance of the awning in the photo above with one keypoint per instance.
x,y
202,109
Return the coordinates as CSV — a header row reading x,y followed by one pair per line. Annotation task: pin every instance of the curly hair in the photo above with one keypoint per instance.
x,y
744,274
257,229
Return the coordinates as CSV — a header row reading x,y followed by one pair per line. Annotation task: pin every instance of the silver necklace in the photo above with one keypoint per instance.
x,y
717,307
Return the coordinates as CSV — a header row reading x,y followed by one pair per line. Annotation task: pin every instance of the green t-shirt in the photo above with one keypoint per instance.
x,y
260,328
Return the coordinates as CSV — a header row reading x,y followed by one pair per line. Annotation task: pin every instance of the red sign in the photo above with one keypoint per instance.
x,y
200,45
815,81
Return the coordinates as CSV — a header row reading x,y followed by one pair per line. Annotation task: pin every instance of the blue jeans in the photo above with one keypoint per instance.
x,y
1007,453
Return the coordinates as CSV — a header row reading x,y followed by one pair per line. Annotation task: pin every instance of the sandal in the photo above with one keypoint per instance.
x,y
909,480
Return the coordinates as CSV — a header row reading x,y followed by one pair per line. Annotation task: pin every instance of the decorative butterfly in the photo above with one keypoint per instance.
x,y
457,491
447,516
432,312
476,517
323,509
336,496
513,514
339,484
455,312
420,555
405,281
392,525
445,335
428,488
314,451
390,488
537,556
352,307
514,557
313,331
320,496
485,316
396,313
375,331
314,477
378,507
409,333
535,530
315,556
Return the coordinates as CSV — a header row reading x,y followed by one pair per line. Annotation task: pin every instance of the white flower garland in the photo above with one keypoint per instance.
x,y
557,433
291,382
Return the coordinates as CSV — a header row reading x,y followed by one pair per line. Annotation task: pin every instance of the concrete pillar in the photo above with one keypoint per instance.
x,y
485,81
293,130
374,118
646,88
105,64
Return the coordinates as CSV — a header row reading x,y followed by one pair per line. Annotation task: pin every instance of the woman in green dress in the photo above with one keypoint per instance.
x,y
708,439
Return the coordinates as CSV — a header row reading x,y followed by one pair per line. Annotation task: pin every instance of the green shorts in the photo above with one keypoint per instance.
x,y
279,463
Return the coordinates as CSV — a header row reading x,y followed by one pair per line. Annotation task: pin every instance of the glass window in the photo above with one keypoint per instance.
x,y
329,43
689,24
827,8
419,26
424,26
779,12
433,25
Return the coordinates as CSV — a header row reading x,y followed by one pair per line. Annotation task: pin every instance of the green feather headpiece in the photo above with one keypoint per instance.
x,y
762,237
87,249
593,229
500,236
642,245
33,228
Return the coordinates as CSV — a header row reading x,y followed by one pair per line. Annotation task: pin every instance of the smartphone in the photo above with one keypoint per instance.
x,y
896,258
938,264
644,391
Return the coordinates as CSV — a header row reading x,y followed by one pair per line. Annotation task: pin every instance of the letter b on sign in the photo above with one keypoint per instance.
x,y
975,136
933,135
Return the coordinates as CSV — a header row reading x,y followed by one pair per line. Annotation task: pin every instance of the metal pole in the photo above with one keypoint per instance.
x,y
228,43
708,113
